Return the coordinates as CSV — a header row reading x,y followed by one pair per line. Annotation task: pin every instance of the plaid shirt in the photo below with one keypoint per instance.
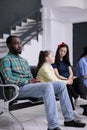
x,y
15,70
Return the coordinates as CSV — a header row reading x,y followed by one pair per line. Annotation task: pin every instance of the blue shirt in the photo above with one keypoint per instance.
x,y
63,69
81,69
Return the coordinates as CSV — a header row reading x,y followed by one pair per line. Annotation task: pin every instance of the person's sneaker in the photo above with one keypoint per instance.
x,y
74,123
54,129
76,115
80,101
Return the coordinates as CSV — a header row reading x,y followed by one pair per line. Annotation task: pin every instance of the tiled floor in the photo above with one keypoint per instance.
x,y
34,118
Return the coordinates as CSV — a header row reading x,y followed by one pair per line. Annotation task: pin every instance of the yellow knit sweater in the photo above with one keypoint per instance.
x,y
46,74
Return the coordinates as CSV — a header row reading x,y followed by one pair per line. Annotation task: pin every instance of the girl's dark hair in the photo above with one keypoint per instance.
x,y
65,58
84,52
42,57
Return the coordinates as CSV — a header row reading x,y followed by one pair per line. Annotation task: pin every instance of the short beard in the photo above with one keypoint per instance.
x,y
16,52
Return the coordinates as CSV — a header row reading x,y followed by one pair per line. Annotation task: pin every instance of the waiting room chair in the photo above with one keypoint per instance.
x,y
4,92
11,102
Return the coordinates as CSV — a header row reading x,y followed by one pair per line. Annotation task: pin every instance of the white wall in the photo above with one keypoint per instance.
x,y
57,19
55,32
31,52
57,3
61,33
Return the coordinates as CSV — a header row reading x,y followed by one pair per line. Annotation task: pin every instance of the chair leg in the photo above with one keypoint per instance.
x,y
22,128
8,121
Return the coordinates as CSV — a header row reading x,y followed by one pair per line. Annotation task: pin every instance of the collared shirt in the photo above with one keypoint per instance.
x,y
81,69
46,74
15,70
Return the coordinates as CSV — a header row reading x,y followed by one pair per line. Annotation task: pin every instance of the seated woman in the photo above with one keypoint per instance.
x,y
45,72
81,68
63,70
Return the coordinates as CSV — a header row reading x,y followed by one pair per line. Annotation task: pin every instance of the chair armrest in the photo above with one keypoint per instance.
x,y
16,91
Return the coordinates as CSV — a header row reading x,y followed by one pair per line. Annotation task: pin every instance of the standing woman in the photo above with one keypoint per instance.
x,y
63,71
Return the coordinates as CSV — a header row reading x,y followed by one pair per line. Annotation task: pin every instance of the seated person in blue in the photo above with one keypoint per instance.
x,y
81,68
16,70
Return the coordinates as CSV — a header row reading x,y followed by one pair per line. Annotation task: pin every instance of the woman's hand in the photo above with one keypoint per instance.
x,y
70,81
74,77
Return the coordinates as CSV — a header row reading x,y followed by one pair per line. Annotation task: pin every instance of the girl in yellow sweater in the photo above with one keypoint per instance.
x,y
45,73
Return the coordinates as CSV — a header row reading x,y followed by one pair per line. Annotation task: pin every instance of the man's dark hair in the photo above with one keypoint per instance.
x,y
9,39
84,52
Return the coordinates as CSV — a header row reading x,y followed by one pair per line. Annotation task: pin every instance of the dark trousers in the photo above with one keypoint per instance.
x,y
72,93
79,87
76,89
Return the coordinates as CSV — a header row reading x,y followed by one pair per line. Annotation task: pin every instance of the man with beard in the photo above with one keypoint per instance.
x,y
16,70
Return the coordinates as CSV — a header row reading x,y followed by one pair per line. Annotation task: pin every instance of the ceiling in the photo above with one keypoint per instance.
x,y
70,14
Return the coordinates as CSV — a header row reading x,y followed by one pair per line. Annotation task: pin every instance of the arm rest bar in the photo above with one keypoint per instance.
x,y
16,91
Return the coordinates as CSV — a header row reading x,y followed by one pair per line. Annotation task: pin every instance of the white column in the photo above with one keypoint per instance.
x,y
55,32
46,44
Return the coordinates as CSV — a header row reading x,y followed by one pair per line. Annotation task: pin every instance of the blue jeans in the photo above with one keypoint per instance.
x,y
47,91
